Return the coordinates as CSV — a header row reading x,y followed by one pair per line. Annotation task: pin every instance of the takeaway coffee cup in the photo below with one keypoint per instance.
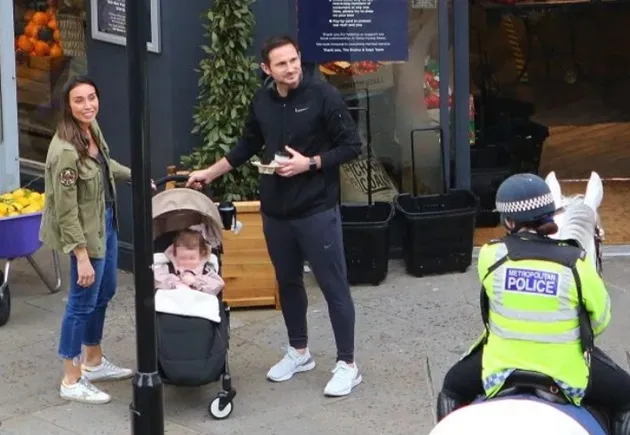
x,y
228,215
282,156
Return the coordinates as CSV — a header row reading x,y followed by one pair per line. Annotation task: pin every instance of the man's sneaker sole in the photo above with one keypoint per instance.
x,y
303,368
86,401
88,376
355,382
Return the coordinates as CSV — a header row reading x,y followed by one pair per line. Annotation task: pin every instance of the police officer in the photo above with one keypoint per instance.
x,y
543,302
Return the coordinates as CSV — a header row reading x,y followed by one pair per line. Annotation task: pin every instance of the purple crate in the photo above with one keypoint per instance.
x,y
19,235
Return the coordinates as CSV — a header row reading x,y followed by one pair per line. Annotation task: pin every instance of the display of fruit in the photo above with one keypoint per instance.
x,y
20,202
36,32
432,95
350,69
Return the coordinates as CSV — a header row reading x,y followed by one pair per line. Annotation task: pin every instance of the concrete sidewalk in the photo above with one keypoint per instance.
x,y
409,331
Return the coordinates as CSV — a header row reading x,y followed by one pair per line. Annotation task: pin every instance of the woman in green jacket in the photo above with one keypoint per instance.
x,y
80,219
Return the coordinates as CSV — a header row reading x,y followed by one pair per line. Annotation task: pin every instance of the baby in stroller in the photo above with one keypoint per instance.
x,y
188,264
192,321
186,278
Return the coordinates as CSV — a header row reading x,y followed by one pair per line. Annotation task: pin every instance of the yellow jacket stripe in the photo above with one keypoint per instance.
x,y
535,327
500,315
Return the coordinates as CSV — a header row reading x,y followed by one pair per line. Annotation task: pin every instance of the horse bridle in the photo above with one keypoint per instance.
x,y
599,240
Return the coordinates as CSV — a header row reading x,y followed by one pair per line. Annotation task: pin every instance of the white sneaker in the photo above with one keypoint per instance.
x,y
84,392
292,363
344,379
106,371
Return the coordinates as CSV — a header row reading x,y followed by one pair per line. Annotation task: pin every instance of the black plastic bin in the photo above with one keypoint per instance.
x,y
485,183
366,227
490,166
522,140
498,109
439,231
366,241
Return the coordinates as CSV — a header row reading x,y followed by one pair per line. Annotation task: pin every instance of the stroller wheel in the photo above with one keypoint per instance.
x,y
216,412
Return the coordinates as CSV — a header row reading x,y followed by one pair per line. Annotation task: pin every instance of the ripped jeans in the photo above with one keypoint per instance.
x,y
84,317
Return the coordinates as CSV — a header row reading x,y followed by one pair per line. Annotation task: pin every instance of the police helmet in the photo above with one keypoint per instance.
x,y
524,198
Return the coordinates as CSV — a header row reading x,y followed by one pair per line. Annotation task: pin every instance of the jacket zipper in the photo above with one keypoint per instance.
x,y
284,123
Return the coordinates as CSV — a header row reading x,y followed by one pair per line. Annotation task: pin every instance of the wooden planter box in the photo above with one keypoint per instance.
x,y
250,279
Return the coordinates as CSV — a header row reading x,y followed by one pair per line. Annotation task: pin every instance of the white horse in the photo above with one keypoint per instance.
x,y
578,219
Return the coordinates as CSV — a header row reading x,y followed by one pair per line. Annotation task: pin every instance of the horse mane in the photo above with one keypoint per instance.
x,y
580,221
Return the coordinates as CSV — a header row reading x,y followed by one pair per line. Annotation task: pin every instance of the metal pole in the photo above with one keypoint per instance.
x,y
461,77
147,408
445,79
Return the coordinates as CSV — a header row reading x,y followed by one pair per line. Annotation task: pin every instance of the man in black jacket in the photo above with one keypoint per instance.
x,y
309,120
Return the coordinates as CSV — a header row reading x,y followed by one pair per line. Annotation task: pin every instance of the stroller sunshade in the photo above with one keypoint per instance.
x,y
180,208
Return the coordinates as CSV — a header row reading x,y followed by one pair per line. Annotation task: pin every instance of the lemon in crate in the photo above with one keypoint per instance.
x,y
20,218
21,201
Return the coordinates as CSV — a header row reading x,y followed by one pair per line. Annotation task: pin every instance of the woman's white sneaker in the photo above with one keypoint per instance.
x,y
292,363
106,371
344,379
84,392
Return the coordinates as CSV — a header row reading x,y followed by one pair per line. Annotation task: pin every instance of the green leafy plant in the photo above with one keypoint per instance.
x,y
226,85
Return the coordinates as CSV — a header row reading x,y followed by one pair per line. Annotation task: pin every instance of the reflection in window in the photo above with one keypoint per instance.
x,y
402,96
49,48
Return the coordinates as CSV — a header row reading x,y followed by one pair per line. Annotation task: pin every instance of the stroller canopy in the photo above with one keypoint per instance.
x,y
180,208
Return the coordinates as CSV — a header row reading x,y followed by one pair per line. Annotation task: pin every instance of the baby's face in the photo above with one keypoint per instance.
x,y
187,258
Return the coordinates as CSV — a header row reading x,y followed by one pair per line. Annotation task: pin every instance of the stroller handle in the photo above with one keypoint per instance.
x,y
180,178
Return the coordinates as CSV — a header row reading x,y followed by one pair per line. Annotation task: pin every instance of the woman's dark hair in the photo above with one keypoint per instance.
x,y
68,128
544,226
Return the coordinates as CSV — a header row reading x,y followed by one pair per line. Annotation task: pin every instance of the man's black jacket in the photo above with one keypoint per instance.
x,y
313,120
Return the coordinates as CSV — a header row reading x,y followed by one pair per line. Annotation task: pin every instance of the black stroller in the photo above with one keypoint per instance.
x,y
192,350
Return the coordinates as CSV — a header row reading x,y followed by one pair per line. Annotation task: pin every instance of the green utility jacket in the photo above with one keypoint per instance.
x,y
74,212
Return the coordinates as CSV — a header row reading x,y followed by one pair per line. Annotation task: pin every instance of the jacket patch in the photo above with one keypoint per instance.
x,y
531,281
68,177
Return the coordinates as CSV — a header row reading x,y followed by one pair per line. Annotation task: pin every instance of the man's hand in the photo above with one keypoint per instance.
x,y
296,165
197,179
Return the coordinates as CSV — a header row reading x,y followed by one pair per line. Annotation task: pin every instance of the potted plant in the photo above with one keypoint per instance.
x,y
228,80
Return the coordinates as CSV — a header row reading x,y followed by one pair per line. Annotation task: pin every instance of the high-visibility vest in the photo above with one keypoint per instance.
x,y
533,291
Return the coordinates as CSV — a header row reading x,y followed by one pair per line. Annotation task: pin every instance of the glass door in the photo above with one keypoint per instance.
x,y
9,148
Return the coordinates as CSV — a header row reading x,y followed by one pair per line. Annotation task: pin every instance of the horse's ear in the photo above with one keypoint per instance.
x,y
594,192
554,186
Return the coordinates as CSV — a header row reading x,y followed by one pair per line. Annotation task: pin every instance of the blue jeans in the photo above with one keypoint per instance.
x,y
84,317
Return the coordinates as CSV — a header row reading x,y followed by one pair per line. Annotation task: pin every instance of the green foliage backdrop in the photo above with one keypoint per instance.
x,y
228,79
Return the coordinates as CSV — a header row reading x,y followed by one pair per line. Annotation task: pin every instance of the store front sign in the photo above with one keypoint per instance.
x,y
353,30
109,22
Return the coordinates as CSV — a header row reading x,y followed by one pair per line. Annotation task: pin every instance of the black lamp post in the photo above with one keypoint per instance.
x,y
147,408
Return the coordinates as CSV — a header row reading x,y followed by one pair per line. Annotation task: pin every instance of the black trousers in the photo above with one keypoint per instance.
x,y
317,239
609,384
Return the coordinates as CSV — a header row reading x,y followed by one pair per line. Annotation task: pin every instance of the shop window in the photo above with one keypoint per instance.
x,y
50,47
402,96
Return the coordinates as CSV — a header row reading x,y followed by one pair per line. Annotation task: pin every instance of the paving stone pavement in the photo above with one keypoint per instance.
x,y
409,331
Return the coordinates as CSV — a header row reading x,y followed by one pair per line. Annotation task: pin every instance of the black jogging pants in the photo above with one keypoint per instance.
x,y
318,240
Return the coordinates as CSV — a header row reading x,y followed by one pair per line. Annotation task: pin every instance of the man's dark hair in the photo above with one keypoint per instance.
x,y
275,42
